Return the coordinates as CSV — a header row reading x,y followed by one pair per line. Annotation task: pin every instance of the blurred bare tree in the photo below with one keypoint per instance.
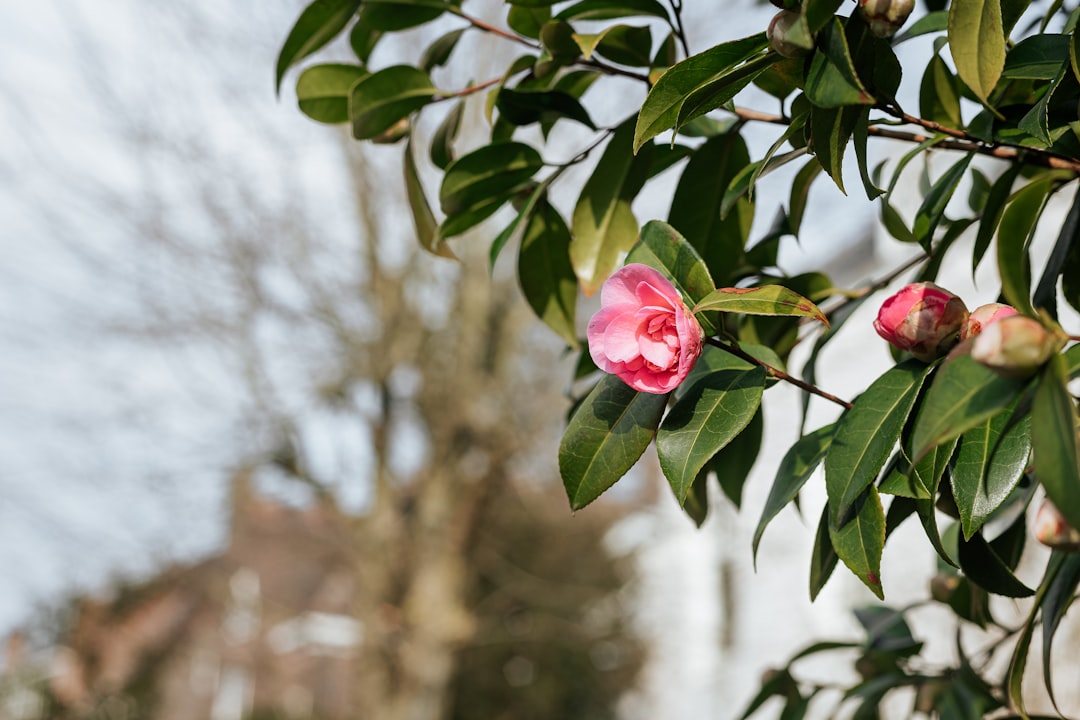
x,y
396,389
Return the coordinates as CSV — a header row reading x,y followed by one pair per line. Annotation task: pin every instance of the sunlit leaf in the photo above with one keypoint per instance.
x,y
606,436
860,539
322,91
382,99
544,271
317,25
773,300
977,43
427,228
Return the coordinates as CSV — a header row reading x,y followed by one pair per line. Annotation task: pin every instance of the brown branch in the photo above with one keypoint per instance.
x,y
487,27
959,141
738,352
470,89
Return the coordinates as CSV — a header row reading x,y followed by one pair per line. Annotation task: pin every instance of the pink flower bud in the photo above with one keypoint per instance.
x,y
643,333
885,17
1015,346
923,319
1052,530
982,316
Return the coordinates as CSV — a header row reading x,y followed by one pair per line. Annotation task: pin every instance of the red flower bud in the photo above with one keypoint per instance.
x,y
1052,530
1015,346
885,17
923,319
982,316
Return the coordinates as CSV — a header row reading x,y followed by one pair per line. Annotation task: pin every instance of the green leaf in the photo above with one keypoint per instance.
x,y
832,80
442,142
622,44
773,300
865,435
611,9
661,109
860,540
317,25
524,107
427,229
992,211
1014,678
528,21
939,94
662,247
709,416
603,225
992,459
982,565
823,557
918,481
799,463
819,13
362,40
544,271
1053,440
322,91
438,53
394,15
831,129
800,193
695,207
977,44
936,21
862,136
933,206
606,436
1038,57
384,98
719,91
1067,244
1014,235
732,463
493,171
743,183
1059,597
962,395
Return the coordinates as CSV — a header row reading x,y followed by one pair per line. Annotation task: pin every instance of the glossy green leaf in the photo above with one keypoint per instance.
x,y
492,171
823,557
709,416
831,129
662,106
743,183
982,565
992,212
1014,678
1038,57
800,193
860,540
544,271
962,395
362,40
317,25
528,21
992,459
1060,594
733,463
695,207
861,138
603,225
395,15
1054,441
798,464
524,107
819,13
977,43
1015,231
719,91
662,247
1066,245
612,9
832,80
939,94
606,436
866,434
936,21
937,197
427,229
322,91
773,300
918,481
382,99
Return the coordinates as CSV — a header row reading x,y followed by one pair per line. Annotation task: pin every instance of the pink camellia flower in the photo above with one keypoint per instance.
x,y
1052,530
643,333
982,316
923,319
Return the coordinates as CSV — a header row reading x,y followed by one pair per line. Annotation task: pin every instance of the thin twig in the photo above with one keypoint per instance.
x,y
678,27
470,89
738,352
487,27
612,70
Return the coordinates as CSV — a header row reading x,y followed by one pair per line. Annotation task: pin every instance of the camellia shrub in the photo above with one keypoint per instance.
x,y
975,420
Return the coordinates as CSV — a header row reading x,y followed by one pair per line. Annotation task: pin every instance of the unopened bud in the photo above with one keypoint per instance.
x,y
1015,346
1052,530
942,586
923,319
788,34
885,17
982,316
